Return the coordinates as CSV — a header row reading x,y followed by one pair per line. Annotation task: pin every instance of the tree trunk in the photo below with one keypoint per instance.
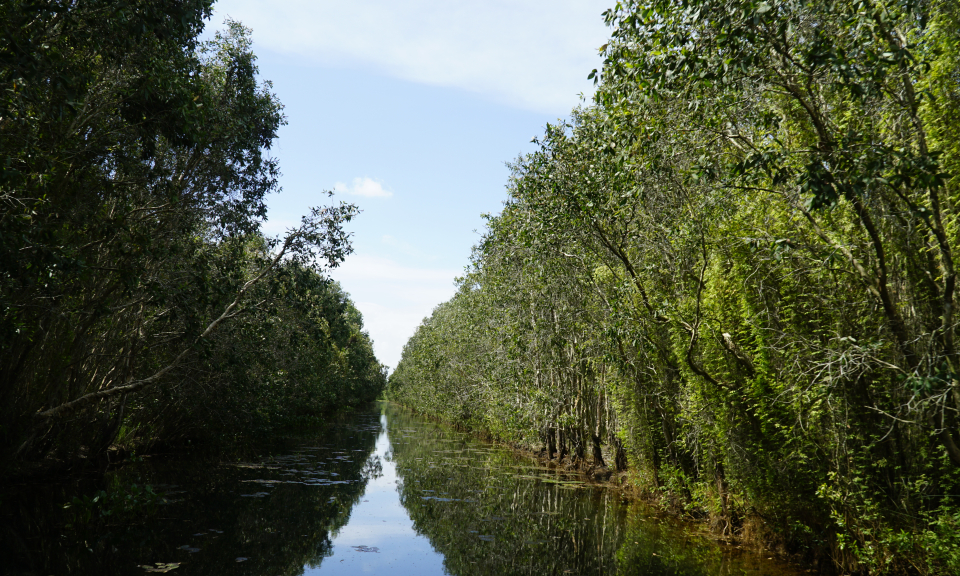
x,y
597,453
579,446
725,521
620,455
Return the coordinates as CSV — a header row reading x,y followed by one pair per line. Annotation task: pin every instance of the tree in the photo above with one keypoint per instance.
x,y
744,249
136,163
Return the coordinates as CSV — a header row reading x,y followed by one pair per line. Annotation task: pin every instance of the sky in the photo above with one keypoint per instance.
x,y
411,110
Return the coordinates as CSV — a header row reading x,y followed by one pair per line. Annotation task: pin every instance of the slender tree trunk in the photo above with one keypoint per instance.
x,y
597,453
620,454
579,445
725,520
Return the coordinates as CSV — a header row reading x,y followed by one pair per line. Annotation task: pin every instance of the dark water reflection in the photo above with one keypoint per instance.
x,y
386,493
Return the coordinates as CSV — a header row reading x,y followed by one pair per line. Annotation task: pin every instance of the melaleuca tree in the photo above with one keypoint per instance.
x,y
827,118
822,108
753,229
135,167
89,89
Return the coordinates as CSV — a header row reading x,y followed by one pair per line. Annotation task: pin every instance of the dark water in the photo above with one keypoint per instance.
x,y
385,493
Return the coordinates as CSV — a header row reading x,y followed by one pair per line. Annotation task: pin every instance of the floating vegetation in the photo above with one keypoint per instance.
x,y
160,567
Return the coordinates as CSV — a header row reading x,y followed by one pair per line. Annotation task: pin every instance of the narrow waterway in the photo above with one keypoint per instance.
x,y
382,493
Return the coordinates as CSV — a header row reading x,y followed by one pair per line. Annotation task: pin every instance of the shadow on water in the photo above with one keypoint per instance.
x,y
272,515
385,493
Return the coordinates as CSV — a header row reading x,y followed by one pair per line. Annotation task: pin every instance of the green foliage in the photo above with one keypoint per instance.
x,y
738,265
135,165
116,504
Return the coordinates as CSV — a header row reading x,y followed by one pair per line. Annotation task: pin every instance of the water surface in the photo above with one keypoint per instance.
x,y
382,493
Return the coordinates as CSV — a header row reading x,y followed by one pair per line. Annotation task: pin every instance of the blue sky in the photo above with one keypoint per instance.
x,y
410,109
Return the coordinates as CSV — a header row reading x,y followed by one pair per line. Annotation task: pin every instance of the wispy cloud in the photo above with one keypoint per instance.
x,y
279,226
393,298
533,54
367,187
406,248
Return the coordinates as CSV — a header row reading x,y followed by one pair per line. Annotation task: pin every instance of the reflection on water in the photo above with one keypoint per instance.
x,y
380,537
489,511
268,516
387,493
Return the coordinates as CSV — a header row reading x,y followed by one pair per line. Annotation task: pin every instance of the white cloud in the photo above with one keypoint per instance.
x,y
406,248
369,532
533,54
278,226
367,187
360,267
393,298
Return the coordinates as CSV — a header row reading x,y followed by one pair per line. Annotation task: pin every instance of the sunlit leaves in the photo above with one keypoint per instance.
x,y
750,236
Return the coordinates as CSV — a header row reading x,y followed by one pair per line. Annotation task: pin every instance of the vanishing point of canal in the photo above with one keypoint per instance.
x,y
382,492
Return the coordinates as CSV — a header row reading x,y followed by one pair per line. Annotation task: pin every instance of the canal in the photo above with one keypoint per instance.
x,y
384,492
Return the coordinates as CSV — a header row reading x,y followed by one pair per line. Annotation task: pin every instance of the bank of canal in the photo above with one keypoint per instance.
x,y
382,493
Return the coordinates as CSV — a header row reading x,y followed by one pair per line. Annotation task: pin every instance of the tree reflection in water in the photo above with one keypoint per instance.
x,y
490,511
413,498
267,516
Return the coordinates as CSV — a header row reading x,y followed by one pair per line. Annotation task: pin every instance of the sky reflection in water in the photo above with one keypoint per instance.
x,y
380,538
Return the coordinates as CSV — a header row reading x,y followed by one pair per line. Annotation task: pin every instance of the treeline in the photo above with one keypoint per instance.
x,y
735,271
139,300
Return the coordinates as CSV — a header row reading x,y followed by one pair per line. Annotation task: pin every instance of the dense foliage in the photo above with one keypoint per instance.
x,y
138,297
735,270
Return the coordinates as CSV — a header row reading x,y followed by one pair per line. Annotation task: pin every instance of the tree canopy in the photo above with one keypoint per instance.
x,y
734,270
138,297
